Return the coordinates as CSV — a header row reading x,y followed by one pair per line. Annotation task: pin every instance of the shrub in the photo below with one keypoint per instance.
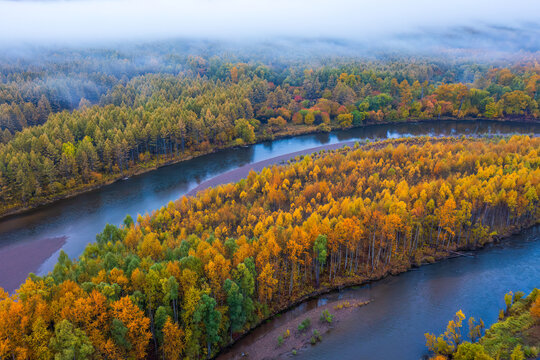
x,y
304,325
280,340
517,354
518,295
345,304
315,337
531,352
508,301
326,316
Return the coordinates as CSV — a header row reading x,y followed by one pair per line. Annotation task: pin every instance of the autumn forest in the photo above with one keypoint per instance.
x,y
269,180
183,281
133,125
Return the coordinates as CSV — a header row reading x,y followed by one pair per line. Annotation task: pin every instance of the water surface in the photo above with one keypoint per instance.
x,y
80,218
406,306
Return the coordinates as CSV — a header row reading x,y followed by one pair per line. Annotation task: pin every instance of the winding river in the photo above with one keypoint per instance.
x,y
78,219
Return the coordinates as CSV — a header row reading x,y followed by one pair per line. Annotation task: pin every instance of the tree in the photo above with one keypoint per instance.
x,y
39,340
235,301
447,343
245,278
517,353
138,333
119,334
309,119
471,351
319,248
173,346
244,131
535,308
207,314
345,120
70,343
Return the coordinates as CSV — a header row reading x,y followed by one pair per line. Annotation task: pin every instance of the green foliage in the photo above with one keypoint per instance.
x,y
327,317
162,313
319,247
119,332
471,351
70,342
517,353
531,352
210,318
244,131
508,297
505,335
507,339
304,325
518,296
446,344
316,337
235,301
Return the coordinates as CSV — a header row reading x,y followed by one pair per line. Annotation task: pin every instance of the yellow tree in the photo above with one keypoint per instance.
x,y
138,326
173,345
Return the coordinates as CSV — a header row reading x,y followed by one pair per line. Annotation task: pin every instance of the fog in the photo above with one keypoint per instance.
x,y
496,24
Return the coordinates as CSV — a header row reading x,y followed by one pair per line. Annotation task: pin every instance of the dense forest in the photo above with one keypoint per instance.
x,y
516,336
188,279
66,127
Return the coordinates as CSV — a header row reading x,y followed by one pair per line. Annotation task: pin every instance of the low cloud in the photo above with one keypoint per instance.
x,y
376,23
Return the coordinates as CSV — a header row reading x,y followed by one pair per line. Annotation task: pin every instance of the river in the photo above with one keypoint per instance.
x,y
80,218
406,306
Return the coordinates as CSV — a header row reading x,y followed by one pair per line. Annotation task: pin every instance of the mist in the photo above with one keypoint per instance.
x,y
415,24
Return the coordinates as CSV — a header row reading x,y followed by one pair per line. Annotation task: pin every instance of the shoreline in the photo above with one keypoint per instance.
x,y
230,176
239,173
226,354
289,133
267,347
16,259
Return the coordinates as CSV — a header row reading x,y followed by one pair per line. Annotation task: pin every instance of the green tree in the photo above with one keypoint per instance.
x,y
118,333
235,301
246,281
319,248
70,343
471,351
244,130
210,318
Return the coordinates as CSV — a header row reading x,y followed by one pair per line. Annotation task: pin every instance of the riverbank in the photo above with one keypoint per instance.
x,y
230,353
286,339
17,260
279,296
79,220
140,169
290,131
516,335
243,171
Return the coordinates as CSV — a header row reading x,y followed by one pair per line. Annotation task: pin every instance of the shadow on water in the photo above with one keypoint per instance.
x,y
80,218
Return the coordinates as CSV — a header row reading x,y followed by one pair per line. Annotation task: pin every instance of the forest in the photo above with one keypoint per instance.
x,y
69,127
516,336
188,279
